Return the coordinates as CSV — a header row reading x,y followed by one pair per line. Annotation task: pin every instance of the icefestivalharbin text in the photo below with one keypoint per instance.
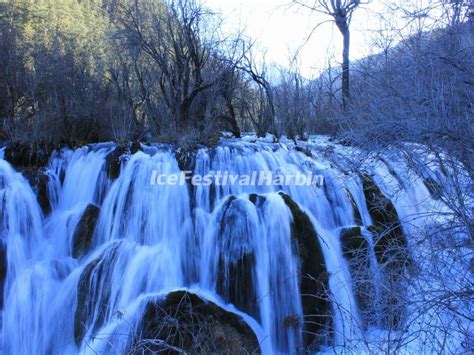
x,y
222,178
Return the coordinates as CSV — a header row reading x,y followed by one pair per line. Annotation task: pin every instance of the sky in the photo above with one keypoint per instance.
x,y
281,30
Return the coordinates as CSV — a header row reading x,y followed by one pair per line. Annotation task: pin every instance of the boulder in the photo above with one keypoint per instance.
x,y
113,163
435,189
42,192
85,303
186,322
391,251
390,243
353,242
39,181
186,159
93,293
3,270
82,238
355,209
257,200
236,270
314,278
305,150
22,155
135,147
355,249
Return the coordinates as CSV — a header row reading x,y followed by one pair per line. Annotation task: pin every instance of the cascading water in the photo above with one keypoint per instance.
x,y
245,248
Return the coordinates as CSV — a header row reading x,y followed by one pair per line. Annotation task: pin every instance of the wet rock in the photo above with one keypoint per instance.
x,y
42,192
435,189
84,231
39,180
391,251
306,151
236,279
186,159
353,243
22,155
390,243
355,209
135,147
314,276
236,283
257,200
3,270
93,294
85,304
355,249
185,322
345,142
113,162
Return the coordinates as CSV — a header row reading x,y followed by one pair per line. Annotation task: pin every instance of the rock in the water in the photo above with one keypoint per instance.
x,y
314,277
39,180
355,209
352,241
113,162
355,249
390,248
236,272
435,189
304,150
257,200
3,270
85,303
390,243
186,159
22,156
84,231
185,322
93,293
135,147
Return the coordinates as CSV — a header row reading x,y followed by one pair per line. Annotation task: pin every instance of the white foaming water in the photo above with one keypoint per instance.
x,y
151,239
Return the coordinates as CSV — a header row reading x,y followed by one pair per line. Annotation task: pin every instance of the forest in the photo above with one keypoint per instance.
x,y
94,71
98,98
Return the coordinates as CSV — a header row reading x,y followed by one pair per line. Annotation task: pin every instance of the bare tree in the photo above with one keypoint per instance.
x,y
341,11
263,113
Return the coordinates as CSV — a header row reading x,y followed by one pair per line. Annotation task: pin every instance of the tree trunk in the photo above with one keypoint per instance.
x,y
343,26
345,68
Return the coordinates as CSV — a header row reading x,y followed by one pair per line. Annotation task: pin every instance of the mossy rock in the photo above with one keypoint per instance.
x,y
314,278
185,322
84,232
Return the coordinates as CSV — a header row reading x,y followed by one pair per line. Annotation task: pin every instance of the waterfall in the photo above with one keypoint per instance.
x,y
80,277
